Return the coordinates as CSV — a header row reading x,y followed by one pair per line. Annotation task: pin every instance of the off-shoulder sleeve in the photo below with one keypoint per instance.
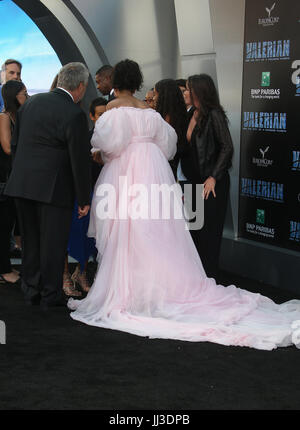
x,y
166,138
111,134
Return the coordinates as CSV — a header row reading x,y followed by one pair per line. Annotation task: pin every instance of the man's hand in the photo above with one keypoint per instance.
x,y
83,211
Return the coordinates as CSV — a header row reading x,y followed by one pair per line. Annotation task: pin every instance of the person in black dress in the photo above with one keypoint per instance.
x,y
169,102
14,95
207,161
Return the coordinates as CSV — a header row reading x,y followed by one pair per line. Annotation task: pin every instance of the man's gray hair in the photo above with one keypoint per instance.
x,y
70,76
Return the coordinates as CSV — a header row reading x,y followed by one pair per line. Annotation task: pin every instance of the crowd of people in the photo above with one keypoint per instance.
x,y
154,279
172,99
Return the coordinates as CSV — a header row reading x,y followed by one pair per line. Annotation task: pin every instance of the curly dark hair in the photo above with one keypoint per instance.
x,y
127,76
203,88
10,90
170,104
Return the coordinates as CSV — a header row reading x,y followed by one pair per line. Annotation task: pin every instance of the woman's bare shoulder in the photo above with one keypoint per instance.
x,y
141,104
113,104
127,102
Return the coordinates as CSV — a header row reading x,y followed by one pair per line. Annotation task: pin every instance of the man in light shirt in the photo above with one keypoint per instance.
x,y
10,70
103,80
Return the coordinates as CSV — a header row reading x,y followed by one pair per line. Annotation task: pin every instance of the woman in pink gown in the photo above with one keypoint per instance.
x,y
150,280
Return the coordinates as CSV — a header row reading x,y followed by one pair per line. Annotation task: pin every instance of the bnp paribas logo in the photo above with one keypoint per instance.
x,y
259,229
260,216
265,79
269,19
264,92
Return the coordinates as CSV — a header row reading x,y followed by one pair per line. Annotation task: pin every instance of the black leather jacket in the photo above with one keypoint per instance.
x,y
210,151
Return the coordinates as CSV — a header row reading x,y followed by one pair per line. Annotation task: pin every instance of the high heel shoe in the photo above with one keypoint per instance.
x,y
81,280
69,287
4,281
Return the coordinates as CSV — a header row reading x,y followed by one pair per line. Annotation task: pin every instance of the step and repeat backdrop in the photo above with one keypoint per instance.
x,y
269,201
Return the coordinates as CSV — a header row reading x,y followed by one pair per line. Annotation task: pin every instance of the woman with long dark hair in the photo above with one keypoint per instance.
x,y
169,102
207,161
14,94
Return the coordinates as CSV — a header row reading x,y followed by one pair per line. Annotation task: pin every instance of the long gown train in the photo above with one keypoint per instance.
x,y
150,280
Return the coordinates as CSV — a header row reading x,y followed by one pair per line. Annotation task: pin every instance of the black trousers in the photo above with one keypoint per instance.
x,y
208,239
7,221
45,231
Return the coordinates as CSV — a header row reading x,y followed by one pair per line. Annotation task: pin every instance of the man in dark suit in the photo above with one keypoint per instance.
x,y
103,78
51,167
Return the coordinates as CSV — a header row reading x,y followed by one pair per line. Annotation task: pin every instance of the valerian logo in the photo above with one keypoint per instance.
x,y
265,121
269,20
261,189
268,50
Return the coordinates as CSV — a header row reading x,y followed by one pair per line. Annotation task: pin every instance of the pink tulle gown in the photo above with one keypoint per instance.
x,y
150,280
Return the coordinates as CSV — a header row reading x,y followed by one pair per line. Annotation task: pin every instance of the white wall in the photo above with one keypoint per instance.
x,y
227,18
142,30
196,48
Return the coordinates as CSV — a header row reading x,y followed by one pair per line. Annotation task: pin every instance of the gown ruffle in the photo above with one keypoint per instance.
x,y
150,279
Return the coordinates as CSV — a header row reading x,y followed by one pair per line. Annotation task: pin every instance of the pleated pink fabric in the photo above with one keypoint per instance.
x,y
150,279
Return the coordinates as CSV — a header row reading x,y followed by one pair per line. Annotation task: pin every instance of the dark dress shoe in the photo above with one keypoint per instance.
x,y
4,281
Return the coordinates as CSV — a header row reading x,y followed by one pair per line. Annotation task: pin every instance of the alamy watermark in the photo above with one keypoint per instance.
x,y
155,202
2,333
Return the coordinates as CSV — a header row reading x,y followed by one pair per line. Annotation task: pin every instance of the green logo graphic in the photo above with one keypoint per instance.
x,y
260,216
265,79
